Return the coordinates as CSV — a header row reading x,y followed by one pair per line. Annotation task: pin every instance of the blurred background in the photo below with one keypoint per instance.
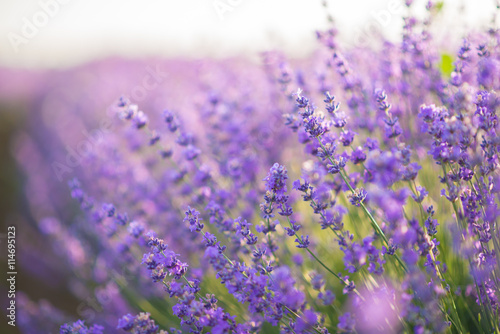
x,y
56,53
63,33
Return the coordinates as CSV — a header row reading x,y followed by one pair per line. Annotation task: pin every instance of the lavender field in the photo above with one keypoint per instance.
x,y
355,190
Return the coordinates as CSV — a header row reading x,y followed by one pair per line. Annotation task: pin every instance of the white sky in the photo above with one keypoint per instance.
x,y
82,30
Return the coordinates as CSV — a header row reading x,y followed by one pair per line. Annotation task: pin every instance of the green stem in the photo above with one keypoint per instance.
x,y
367,212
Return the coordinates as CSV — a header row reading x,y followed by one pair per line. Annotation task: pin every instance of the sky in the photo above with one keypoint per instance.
x,y
62,33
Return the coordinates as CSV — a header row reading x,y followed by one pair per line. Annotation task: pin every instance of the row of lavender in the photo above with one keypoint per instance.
x,y
353,192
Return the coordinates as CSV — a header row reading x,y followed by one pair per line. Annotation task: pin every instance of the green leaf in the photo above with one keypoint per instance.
x,y
439,6
446,64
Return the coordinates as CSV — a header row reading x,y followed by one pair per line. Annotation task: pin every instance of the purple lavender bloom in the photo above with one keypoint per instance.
x,y
276,179
301,101
136,228
79,327
358,156
184,139
138,324
306,322
327,297
371,144
385,168
291,231
121,219
140,119
109,209
428,113
128,111
166,153
381,98
431,225
154,138
284,287
337,165
328,151
317,282
191,152
215,257
303,242
339,119
422,193
168,116
393,129
410,171
297,259
488,71
286,210
358,197
193,219
432,124
346,323
126,322
314,126
347,137
331,106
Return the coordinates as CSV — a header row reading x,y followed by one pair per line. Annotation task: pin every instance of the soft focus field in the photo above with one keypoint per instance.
x,y
352,191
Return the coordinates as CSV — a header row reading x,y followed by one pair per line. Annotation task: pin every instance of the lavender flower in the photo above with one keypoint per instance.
x,y
390,224
79,327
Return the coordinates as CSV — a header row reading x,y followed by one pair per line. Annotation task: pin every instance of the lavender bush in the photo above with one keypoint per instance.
x,y
355,191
